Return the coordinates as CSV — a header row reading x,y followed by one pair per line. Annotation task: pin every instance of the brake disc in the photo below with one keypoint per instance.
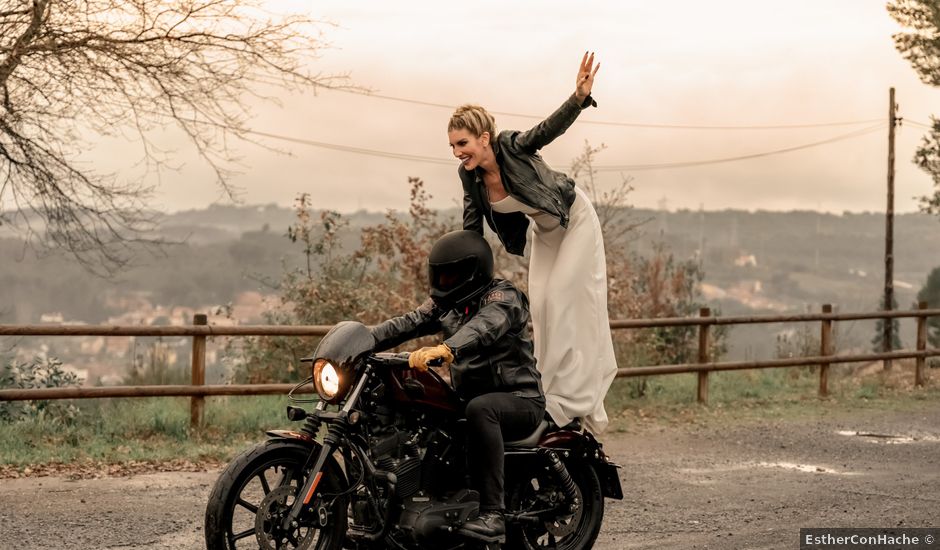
x,y
564,525
271,513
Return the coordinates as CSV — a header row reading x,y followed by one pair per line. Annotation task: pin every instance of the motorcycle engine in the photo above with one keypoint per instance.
x,y
397,454
430,521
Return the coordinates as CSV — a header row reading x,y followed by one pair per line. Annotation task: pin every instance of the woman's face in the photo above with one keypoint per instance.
x,y
468,148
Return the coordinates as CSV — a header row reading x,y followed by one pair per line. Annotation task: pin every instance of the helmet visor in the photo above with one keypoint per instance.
x,y
445,277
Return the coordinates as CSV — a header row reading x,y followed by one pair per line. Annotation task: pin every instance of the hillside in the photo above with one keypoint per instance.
x,y
754,262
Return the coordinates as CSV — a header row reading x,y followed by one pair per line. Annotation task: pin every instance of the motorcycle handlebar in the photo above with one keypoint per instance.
x,y
400,359
391,359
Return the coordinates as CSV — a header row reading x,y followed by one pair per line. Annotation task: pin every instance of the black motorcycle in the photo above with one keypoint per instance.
x,y
390,468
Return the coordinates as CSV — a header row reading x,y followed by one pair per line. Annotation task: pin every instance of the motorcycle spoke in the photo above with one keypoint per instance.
x,y
243,534
264,483
247,505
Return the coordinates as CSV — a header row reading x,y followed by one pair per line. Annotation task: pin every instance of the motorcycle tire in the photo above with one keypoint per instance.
x,y
536,536
227,496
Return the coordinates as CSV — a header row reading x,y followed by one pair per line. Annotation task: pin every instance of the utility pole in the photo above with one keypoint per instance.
x,y
887,335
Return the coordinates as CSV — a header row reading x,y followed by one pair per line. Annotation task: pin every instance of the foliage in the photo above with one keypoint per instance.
x,y
387,276
877,341
919,44
927,157
930,293
157,428
800,342
651,286
384,277
153,368
70,69
803,341
37,373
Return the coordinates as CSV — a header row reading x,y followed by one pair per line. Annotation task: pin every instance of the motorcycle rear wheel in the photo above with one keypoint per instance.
x,y
255,483
523,496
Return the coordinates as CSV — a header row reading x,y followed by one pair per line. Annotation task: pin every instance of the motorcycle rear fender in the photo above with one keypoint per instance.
x,y
584,444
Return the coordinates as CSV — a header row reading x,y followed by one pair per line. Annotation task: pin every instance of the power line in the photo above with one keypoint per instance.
x,y
918,124
662,126
617,168
667,165
665,126
601,168
348,148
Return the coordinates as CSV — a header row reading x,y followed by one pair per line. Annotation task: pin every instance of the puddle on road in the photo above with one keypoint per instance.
x,y
792,466
705,474
805,468
890,439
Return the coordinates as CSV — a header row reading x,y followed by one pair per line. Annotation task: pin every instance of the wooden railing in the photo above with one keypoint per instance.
x,y
200,330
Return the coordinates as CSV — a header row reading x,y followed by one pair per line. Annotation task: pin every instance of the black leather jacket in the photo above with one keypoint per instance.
x,y
526,178
490,339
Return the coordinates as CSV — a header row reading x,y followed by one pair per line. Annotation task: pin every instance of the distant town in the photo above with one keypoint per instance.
x,y
229,261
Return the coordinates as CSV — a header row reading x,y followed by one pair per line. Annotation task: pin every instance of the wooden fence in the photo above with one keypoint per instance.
x,y
200,330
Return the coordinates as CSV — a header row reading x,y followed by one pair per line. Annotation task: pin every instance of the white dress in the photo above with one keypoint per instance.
x,y
568,299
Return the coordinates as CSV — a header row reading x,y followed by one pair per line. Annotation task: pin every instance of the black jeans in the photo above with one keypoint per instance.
x,y
491,419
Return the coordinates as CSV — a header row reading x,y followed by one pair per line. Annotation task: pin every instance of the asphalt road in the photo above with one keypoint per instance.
x,y
740,485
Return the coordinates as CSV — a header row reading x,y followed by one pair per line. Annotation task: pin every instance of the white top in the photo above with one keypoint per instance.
x,y
510,204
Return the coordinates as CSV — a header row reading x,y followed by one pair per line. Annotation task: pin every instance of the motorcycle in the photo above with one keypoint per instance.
x,y
389,470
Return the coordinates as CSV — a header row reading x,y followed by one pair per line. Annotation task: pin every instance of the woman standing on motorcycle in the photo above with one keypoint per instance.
x,y
506,182
487,341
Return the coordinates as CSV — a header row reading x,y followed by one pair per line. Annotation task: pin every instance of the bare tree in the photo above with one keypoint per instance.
x,y
71,70
613,207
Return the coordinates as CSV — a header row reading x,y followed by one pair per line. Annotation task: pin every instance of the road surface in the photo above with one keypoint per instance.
x,y
743,484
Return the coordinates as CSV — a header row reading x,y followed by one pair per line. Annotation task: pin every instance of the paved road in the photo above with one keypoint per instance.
x,y
743,485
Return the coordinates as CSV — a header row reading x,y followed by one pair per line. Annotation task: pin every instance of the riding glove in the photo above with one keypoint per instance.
x,y
419,358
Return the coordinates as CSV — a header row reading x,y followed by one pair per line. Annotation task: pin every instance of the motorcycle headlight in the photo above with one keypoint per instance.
x,y
331,382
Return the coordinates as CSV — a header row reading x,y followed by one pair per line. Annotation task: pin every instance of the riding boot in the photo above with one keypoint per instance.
x,y
489,526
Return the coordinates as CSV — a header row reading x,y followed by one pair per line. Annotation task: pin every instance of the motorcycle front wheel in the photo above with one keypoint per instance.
x,y
258,488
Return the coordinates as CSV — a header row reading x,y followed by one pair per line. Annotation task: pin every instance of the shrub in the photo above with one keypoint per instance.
x,y
38,373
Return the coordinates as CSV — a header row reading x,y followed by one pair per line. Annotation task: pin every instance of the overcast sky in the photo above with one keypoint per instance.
x,y
680,62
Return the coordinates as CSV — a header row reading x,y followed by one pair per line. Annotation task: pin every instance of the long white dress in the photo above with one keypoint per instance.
x,y
568,300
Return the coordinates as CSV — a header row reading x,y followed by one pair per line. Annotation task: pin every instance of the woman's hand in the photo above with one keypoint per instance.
x,y
586,76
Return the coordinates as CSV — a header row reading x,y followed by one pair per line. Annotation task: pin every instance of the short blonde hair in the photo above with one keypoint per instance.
x,y
474,119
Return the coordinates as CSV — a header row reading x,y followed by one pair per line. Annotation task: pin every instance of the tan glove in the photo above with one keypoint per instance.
x,y
419,358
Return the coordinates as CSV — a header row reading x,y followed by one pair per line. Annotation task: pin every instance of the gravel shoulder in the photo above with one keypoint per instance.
x,y
725,483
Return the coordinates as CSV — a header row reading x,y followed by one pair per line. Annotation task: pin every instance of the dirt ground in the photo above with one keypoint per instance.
x,y
722,484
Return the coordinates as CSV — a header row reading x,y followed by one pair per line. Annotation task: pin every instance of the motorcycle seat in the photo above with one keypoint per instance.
x,y
533,438
545,425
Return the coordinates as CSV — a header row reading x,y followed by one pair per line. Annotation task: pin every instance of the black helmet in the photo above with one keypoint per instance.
x,y
460,266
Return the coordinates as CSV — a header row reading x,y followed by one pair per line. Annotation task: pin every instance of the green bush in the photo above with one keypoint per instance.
x,y
38,373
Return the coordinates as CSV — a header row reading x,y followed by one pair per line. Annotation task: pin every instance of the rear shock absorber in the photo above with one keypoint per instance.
x,y
564,479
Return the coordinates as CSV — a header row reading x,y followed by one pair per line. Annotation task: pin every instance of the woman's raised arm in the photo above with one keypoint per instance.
x,y
555,125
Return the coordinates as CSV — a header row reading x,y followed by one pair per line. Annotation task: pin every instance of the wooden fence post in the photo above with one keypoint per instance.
x,y
197,403
921,345
825,348
703,344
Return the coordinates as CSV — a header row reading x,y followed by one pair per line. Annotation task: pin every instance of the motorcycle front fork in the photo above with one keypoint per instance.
x,y
338,428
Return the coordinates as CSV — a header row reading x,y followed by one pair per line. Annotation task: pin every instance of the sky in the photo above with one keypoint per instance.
x,y
681,62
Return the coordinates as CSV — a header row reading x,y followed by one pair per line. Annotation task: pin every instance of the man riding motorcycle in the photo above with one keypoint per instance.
x,y
489,348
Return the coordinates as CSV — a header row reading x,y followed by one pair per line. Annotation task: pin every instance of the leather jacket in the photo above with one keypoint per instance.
x,y
490,340
526,178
